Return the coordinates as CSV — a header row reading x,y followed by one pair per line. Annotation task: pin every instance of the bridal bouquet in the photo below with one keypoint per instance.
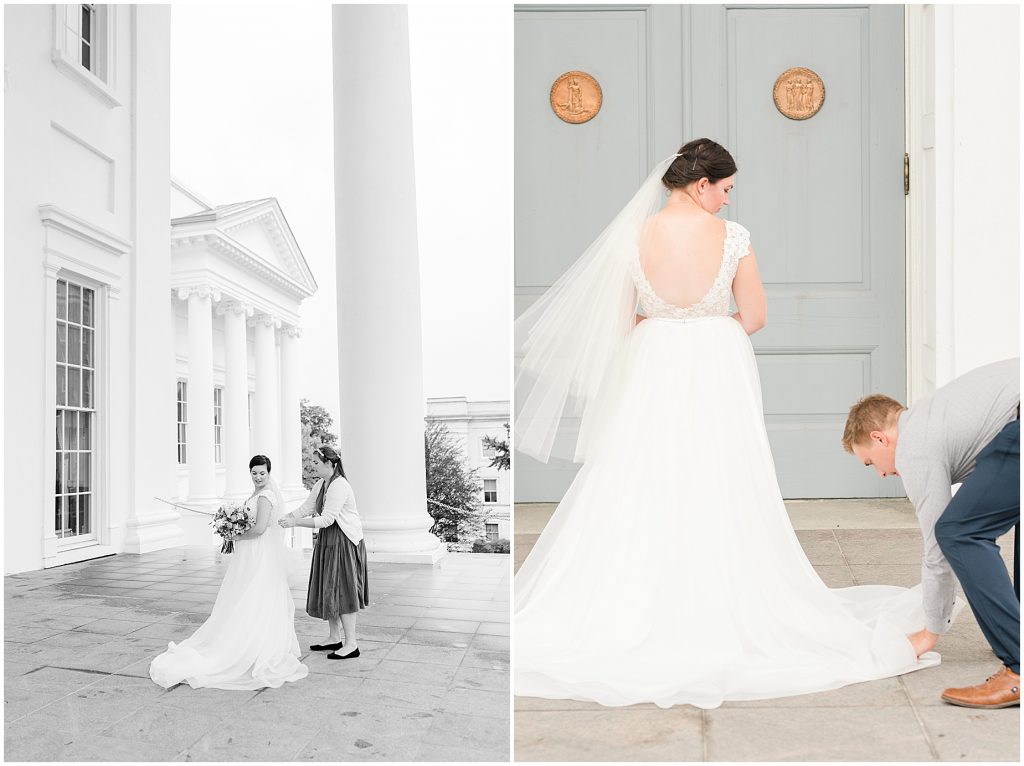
x,y
229,521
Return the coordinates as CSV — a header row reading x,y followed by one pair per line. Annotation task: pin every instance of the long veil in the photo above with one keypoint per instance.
x,y
570,335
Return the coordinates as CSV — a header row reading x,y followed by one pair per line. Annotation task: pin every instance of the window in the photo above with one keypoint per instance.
x,y
486,450
492,532
182,421
218,425
490,490
76,413
249,416
82,46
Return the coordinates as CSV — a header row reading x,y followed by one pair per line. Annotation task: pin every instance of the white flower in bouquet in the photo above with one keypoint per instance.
x,y
230,521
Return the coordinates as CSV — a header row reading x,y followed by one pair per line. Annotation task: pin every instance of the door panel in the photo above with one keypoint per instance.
x,y
822,197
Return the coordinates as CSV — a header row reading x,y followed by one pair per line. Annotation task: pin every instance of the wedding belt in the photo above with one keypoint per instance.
x,y
685,320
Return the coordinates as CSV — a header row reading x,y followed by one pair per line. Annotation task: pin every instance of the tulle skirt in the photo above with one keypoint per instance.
x,y
249,640
670,572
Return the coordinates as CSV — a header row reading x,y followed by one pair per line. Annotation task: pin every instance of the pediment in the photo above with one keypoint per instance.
x,y
254,234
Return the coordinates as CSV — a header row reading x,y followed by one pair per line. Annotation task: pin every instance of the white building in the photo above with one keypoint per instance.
x,y
471,422
126,323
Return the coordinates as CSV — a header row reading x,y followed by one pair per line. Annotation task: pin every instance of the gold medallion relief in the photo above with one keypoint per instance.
x,y
576,97
799,93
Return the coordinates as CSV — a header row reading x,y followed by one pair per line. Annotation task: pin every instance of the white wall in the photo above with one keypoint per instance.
x,y
964,206
68,146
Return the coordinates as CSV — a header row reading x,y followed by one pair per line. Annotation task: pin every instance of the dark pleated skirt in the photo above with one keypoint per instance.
x,y
337,576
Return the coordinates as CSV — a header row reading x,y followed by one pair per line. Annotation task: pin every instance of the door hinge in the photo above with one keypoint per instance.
x,y
906,174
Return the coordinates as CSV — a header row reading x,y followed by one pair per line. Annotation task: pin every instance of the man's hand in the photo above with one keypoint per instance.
x,y
923,641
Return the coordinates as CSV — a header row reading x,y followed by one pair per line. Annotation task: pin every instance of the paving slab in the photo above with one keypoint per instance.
x,y
79,640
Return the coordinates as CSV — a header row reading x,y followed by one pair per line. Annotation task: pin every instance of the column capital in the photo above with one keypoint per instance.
x,y
235,307
202,290
267,320
291,331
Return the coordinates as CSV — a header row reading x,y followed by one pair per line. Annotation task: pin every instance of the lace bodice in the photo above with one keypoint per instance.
x,y
715,301
251,504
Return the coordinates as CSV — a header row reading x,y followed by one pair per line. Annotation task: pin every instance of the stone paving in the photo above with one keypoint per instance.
x,y
431,684
895,719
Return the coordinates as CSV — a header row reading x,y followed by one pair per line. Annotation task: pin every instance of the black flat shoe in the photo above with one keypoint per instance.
x,y
326,647
336,656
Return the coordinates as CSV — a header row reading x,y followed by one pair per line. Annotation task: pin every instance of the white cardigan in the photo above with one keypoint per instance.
x,y
339,508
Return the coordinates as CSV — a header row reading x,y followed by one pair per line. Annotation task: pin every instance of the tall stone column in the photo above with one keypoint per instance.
x,y
236,399
290,477
199,455
381,355
266,409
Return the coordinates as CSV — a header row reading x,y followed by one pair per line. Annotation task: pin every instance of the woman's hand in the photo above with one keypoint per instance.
x,y
287,521
923,641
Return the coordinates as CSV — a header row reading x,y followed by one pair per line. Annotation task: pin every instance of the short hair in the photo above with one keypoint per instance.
x,y
876,412
259,460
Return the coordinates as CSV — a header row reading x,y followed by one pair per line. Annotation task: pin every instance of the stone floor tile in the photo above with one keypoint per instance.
x,y
880,546
885,692
480,658
432,654
478,702
110,627
415,672
490,643
436,638
463,733
489,679
452,626
448,754
925,687
494,629
250,740
387,734
28,634
164,725
815,734
610,735
966,734
400,694
821,547
91,747
904,575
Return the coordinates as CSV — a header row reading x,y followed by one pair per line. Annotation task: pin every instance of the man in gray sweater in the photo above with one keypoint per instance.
x,y
967,433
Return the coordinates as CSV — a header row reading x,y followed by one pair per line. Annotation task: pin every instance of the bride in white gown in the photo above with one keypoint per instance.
x,y
670,572
249,640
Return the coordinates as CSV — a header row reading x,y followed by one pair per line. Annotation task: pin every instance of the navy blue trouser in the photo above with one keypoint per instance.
x,y
986,506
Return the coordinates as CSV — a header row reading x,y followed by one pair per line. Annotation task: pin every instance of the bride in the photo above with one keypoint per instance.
x,y
249,640
670,573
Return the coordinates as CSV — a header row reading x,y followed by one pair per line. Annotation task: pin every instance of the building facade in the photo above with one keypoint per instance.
x,y
471,422
139,343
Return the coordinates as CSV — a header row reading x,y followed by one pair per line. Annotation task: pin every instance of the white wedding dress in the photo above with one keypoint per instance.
x,y
249,640
670,572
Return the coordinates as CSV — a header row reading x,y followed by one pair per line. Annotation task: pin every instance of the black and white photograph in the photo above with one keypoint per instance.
x,y
257,361
767,402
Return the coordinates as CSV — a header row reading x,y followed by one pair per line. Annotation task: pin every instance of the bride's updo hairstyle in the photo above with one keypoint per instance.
x,y
259,460
330,455
700,158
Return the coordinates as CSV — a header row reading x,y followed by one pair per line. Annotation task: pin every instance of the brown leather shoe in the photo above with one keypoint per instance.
x,y
1000,690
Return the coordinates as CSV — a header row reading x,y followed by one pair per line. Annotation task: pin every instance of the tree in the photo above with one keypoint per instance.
x,y
310,444
316,422
320,422
502,459
453,490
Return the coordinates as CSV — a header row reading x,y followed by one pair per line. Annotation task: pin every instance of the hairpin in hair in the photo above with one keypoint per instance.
x,y
696,153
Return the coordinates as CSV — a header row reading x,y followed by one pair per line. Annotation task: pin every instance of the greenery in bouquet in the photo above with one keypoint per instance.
x,y
230,521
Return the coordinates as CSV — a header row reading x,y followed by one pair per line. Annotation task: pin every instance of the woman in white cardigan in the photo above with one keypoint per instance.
x,y
338,586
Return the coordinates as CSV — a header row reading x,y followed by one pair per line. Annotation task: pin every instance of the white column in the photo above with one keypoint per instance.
x,y
266,402
290,477
381,355
199,454
236,399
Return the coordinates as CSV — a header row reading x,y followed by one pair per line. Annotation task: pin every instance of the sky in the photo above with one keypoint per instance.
x,y
251,117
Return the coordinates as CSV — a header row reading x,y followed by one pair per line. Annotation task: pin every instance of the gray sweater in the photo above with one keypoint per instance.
x,y
939,440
